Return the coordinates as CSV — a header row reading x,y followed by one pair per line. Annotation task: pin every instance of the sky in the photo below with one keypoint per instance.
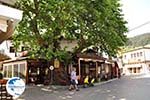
x,y
136,13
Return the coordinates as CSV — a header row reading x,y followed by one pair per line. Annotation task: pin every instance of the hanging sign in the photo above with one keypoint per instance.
x,y
51,67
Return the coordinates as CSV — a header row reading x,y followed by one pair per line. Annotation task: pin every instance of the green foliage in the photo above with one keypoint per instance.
x,y
97,23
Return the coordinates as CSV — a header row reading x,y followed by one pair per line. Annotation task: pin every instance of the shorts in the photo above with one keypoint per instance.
x,y
73,82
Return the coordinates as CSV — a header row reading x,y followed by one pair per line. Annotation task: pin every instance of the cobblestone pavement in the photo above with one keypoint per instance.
x,y
126,88
47,92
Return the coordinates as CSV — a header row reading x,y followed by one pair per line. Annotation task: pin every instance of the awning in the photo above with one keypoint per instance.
x,y
90,57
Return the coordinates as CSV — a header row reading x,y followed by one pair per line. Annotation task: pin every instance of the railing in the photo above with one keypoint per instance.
x,y
3,92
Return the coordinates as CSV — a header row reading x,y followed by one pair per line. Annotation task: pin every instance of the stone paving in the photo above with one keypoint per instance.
x,y
41,92
126,88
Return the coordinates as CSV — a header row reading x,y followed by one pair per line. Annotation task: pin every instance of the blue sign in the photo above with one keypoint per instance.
x,y
15,86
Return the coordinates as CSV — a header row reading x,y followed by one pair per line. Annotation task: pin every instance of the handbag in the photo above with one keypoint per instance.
x,y
76,81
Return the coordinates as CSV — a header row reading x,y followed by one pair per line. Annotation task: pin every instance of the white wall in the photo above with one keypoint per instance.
x,y
3,25
138,61
5,46
10,13
147,54
68,45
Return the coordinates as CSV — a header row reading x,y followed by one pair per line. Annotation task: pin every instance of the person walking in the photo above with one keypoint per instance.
x,y
73,81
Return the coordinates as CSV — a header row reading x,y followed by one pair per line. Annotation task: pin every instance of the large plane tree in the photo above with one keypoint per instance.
x,y
97,23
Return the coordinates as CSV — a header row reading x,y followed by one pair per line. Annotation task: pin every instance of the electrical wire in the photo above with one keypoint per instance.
x,y
137,27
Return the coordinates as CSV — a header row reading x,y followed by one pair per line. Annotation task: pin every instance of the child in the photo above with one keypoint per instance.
x,y
91,81
86,81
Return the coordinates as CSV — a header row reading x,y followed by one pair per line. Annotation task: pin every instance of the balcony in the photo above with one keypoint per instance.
x,y
8,13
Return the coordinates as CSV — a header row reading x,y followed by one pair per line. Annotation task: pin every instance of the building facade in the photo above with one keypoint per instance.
x,y
7,48
9,18
136,61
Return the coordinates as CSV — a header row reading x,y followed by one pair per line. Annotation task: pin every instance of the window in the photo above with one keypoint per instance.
x,y
137,54
5,70
134,70
9,74
131,55
139,69
130,70
141,54
12,49
19,70
22,71
124,56
15,70
134,54
24,48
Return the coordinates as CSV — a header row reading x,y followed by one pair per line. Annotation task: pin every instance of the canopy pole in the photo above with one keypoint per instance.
x,y
96,69
79,66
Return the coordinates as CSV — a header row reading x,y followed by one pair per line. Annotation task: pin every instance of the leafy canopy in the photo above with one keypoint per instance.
x,y
97,23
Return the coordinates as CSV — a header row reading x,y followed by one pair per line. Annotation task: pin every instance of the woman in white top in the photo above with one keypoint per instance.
x,y
73,81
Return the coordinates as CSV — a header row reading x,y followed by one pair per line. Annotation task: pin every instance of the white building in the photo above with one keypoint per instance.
x,y
6,48
136,61
9,18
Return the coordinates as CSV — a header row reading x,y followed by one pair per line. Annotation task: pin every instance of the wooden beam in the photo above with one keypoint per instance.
x,y
8,33
96,70
79,66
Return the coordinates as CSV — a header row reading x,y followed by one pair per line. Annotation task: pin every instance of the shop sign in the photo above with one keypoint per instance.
x,y
51,67
56,63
